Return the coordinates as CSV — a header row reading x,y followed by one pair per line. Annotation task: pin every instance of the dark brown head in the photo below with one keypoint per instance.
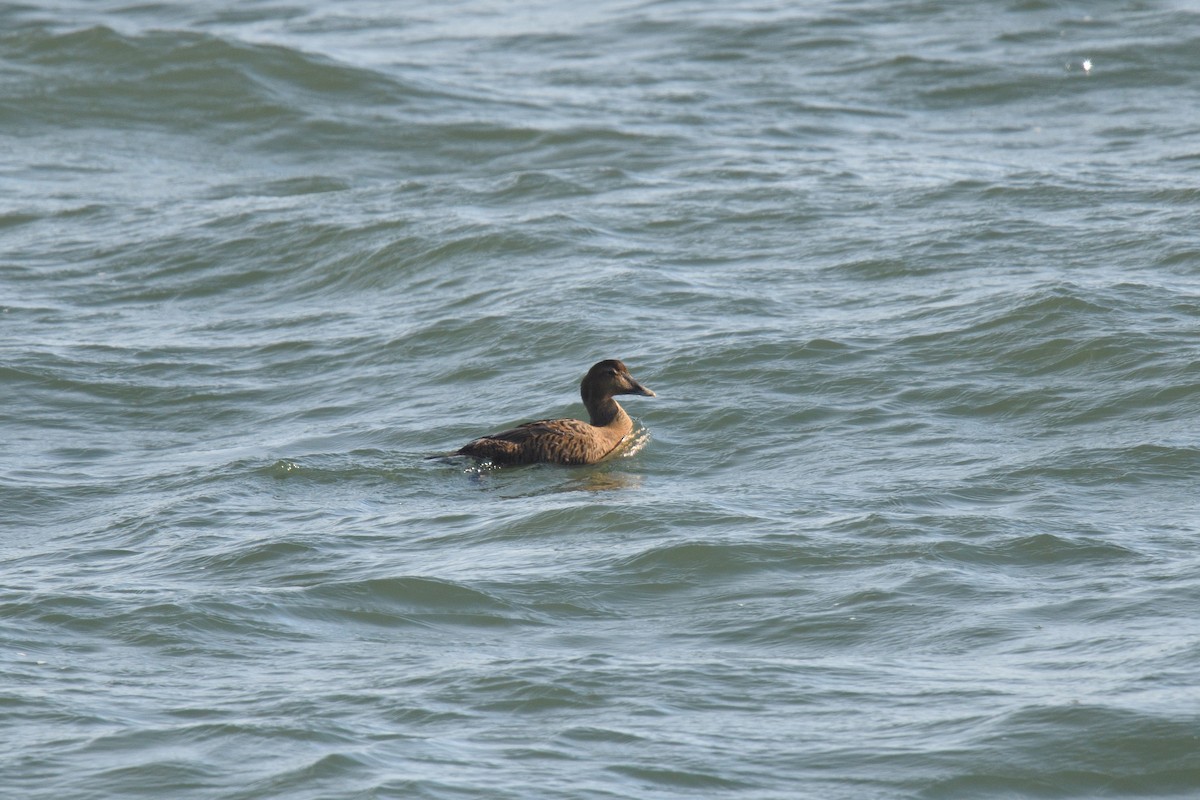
x,y
608,378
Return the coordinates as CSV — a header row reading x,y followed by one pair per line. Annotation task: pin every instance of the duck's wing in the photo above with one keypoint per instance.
x,y
559,441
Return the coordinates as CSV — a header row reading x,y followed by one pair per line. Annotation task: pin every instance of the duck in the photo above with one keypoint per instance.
x,y
570,442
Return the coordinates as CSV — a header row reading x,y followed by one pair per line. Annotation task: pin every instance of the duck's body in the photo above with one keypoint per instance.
x,y
569,441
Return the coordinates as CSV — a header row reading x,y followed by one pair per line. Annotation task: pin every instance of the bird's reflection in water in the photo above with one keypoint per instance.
x,y
592,482
601,482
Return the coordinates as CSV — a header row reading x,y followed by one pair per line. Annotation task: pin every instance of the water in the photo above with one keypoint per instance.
x,y
917,285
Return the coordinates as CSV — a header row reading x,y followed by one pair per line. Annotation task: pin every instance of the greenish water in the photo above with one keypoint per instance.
x,y
917,286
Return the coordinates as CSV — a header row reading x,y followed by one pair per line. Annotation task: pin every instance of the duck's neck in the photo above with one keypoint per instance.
x,y
604,411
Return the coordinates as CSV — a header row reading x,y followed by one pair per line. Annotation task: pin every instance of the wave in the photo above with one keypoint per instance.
x,y
183,80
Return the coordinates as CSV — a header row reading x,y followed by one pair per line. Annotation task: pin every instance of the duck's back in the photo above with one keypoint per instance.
x,y
554,441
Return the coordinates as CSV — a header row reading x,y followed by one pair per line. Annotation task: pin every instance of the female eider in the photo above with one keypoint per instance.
x,y
569,441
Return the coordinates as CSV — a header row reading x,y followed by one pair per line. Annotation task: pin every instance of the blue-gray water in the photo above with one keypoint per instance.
x,y
917,285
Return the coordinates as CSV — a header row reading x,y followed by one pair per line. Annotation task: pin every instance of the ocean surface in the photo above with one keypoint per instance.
x,y
917,285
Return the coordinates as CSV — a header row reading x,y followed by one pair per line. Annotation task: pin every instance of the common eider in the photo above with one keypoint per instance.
x,y
569,441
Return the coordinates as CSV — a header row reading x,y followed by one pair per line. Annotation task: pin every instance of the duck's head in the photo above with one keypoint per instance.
x,y
611,377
